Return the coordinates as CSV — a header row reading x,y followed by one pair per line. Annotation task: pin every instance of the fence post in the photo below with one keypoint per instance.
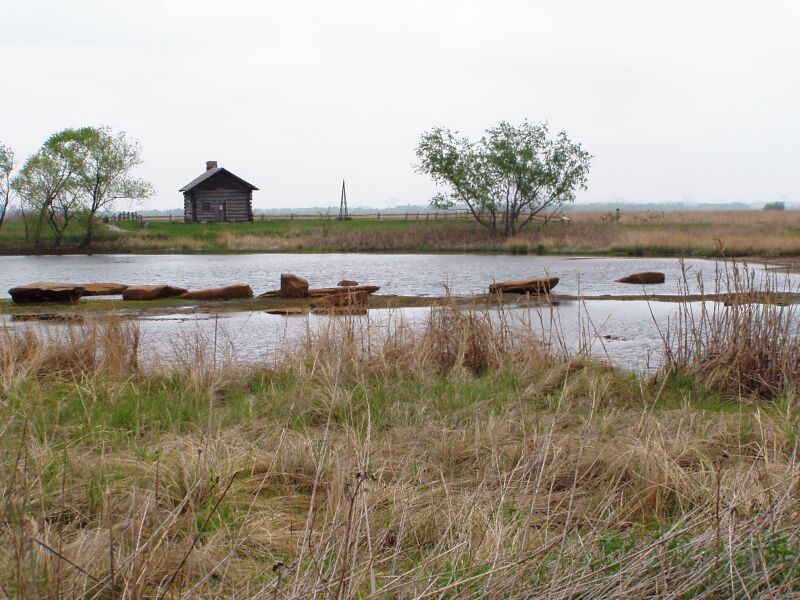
x,y
379,216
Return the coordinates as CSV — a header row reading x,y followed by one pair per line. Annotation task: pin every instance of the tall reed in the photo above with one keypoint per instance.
x,y
745,341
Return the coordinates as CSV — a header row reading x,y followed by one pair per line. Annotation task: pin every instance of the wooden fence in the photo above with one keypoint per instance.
x,y
452,215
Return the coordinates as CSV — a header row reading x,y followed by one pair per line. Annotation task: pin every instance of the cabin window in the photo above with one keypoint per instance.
x,y
206,205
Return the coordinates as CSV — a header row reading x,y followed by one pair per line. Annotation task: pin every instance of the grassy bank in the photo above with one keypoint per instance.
x,y
460,460
746,233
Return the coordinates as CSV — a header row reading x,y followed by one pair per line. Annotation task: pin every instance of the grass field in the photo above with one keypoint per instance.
x,y
461,460
745,233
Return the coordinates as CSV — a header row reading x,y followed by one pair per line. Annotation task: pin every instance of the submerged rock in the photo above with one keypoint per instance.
x,y
46,291
151,292
287,311
646,277
347,283
344,299
333,291
227,292
537,285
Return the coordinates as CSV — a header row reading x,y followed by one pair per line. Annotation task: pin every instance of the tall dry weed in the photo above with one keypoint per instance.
x,y
744,341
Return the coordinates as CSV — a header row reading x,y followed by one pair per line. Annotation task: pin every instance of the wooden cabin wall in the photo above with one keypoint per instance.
x,y
202,203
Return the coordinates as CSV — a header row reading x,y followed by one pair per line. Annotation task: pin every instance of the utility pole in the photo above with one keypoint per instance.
x,y
344,214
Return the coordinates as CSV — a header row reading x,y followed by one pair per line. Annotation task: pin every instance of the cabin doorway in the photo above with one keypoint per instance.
x,y
222,212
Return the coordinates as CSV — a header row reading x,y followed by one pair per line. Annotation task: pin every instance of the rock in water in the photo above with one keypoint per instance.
x,y
288,311
293,286
347,283
227,292
645,277
151,292
321,292
103,289
538,285
46,291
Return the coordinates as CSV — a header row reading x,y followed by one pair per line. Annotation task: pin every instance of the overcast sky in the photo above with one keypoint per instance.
x,y
677,100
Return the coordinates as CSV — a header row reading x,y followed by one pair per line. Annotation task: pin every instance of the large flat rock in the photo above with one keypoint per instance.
x,y
536,285
151,292
227,292
103,289
646,277
46,291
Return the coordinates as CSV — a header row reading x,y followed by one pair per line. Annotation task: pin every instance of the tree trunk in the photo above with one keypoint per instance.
x,y
89,237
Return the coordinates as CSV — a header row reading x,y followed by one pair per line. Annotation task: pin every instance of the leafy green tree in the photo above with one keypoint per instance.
x,y
104,172
6,167
47,188
777,205
508,176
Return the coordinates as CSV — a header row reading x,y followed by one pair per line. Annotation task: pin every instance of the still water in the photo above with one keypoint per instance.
x,y
627,333
403,274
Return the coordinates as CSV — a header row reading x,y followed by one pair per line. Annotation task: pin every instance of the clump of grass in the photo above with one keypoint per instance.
x,y
86,349
747,346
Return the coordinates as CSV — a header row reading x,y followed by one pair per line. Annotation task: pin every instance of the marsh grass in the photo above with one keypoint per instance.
x,y
689,233
747,346
460,459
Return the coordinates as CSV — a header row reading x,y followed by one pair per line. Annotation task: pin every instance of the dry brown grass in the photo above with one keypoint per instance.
x,y
380,465
748,346
691,233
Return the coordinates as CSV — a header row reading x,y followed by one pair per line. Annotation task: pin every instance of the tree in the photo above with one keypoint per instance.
x,y
508,176
46,186
6,166
103,174
777,205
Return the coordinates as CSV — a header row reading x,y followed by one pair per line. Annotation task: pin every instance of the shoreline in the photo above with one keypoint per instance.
x,y
302,306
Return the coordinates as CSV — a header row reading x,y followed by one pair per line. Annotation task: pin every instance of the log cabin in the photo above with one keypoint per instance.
x,y
217,196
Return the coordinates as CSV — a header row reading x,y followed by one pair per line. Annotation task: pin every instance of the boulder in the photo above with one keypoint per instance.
x,y
347,283
103,289
227,292
538,285
151,292
332,291
322,292
46,291
645,277
343,299
293,286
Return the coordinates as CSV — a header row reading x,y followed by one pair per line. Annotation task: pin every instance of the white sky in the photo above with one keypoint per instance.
x,y
677,100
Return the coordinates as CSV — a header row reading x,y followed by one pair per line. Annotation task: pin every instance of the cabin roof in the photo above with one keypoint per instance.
x,y
211,173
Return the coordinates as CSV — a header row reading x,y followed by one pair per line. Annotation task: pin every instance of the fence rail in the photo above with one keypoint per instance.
x,y
452,215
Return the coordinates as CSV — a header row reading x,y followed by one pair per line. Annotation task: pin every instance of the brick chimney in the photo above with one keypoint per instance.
x,y
211,164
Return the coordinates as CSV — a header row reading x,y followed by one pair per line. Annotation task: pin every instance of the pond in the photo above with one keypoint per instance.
x,y
402,274
627,333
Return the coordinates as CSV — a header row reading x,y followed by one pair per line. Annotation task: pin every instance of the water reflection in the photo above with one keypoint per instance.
x,y
626,333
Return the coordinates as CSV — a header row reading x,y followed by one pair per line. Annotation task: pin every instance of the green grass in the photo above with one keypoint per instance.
x,y
673,234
